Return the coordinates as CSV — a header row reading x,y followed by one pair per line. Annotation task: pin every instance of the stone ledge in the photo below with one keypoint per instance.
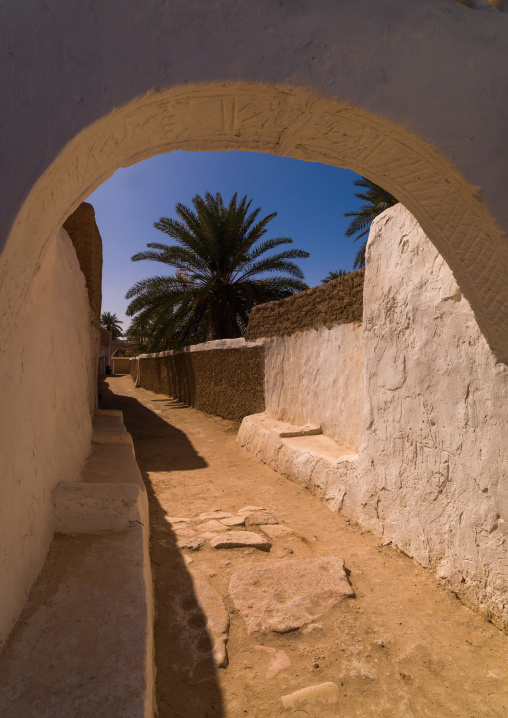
x,y
84,643
112,464
108,428
313,461
214,345
86,508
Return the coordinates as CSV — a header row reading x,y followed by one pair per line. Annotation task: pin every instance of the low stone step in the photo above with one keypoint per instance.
x,y
108,428
83,645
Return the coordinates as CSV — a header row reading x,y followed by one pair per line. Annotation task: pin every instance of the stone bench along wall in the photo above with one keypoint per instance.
x,y
49,368
314,363
431,475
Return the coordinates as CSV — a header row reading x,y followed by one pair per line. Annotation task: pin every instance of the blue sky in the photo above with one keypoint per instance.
x,y
310,199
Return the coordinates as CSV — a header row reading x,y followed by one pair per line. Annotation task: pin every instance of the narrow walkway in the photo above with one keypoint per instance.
x,y
402,647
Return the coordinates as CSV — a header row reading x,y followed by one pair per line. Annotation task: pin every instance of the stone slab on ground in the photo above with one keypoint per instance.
x,y
279,661
183,530
241,539
234,521
200,625
275,531
259,518
217,617
312,697
216,526
214,515
192,543
284,595
250,509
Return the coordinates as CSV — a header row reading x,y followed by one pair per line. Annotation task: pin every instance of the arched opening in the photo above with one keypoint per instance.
x,y
289,122
283,121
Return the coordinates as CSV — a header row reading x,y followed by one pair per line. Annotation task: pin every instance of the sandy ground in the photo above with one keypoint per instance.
x,y
403,647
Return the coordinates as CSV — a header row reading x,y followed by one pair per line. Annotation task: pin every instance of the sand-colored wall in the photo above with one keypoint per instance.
x,y
317,377
121,365
48,365
223,377
433,469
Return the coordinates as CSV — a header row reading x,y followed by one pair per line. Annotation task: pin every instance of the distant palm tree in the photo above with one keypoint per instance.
x,y
220,275
376,200
335,274
112,323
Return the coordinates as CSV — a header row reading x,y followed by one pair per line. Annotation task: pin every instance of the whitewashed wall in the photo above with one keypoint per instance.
x,y
47,364
316,377
432,472
433,469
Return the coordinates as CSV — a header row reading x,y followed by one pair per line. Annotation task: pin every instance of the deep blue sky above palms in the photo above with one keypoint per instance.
x,y
310,199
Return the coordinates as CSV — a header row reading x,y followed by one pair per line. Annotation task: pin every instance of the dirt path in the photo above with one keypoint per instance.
x,y
402,647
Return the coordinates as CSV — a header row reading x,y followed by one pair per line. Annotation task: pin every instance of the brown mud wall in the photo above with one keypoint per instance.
x,y
225,382
84,233
337,302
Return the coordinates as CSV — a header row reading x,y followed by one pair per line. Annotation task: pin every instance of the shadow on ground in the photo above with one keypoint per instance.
x,y
187,684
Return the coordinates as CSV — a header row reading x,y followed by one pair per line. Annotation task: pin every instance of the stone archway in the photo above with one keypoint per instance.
x,y
283,121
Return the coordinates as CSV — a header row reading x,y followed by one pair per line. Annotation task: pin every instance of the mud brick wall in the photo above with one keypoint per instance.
x,y
225,382
337,302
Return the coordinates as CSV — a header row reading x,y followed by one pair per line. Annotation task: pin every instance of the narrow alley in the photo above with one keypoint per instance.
x,y
239,628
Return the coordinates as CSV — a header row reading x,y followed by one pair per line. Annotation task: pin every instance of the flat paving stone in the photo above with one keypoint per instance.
x,y
279,661
203,625
275,531
216,526
258,518
312,697
214,515
193,543
183,530
234,521
284,595
250,509
240,539
217,618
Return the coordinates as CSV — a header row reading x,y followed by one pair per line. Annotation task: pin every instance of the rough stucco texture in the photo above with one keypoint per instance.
x,y
337,302
432,472
47,369
316,377
85,237
224,382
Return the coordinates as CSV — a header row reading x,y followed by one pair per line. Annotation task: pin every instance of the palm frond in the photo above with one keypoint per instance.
x,y
218,267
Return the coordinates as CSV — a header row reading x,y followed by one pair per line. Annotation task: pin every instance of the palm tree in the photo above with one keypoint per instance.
x,y
335,274
112,323
220,275
376,200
